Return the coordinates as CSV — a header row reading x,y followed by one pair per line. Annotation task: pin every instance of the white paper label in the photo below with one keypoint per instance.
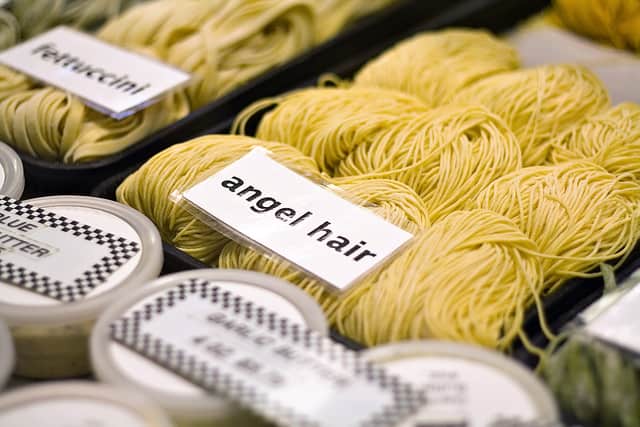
x,y
619,323
107,78
457,393
283,371
54,256
618,70
321,233
70,412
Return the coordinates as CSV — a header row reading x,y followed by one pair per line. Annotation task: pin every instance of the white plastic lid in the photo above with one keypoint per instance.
x,y
19,306
465,383
11,173
7,354
113,363
78,404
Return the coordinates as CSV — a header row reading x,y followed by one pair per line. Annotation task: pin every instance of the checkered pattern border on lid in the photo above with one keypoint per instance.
x,y
120,251
128,331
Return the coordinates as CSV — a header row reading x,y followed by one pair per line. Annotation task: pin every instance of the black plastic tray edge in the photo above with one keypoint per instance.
x,y
46,177
560,307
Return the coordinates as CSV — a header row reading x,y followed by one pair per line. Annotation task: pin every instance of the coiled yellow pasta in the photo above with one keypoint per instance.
x,y
9,29
12,82
50,124
223,43
540,102
435,66
614,21
577,213
183,165
610,139
470,278
447,155
329,123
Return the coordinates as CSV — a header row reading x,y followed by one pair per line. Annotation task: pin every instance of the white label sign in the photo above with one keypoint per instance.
x,y
283,371
321,233
619,324
107,78
54,256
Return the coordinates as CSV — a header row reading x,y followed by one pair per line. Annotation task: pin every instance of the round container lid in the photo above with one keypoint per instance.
x,y
20,306
465,383
7,354
78,403
11,173
116,364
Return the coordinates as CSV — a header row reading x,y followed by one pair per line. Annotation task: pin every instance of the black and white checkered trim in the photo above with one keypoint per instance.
x,y
128,331
120,251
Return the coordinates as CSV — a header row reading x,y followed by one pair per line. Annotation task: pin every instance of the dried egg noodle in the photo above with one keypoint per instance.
x,y
329,123
435,66
224,43
578,214
478,256
447,155
614,21
24,19
610,139
182,166
538,103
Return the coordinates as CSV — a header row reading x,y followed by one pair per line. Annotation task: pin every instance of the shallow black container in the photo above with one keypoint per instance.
x,y
498,15
47,177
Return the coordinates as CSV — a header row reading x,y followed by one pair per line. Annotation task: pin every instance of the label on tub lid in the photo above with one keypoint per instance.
x,y
70,412
282,370
56,257
324,235
107,78
456,390
153,376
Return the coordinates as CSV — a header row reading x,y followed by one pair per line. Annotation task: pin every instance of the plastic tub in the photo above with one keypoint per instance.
x,y
51,336
78,403
11,173
467,385
186,403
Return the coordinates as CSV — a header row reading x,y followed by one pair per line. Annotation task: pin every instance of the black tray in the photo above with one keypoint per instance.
x,y
47,177
560,307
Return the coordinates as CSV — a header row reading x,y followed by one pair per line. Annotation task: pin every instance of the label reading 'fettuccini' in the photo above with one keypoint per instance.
x,y
107,78
286,214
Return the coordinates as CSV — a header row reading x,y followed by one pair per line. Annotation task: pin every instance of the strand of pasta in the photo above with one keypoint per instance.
x,y
614,21
578,214
610,139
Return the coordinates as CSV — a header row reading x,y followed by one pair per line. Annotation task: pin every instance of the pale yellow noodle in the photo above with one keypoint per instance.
x,y
434,66
447,155
329,123
179,167
539,103
614,21
577,213
610,139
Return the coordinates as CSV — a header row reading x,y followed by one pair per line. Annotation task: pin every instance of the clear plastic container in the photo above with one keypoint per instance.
x,y
7,357
11,173
467,385
188,404
77,403
50,336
